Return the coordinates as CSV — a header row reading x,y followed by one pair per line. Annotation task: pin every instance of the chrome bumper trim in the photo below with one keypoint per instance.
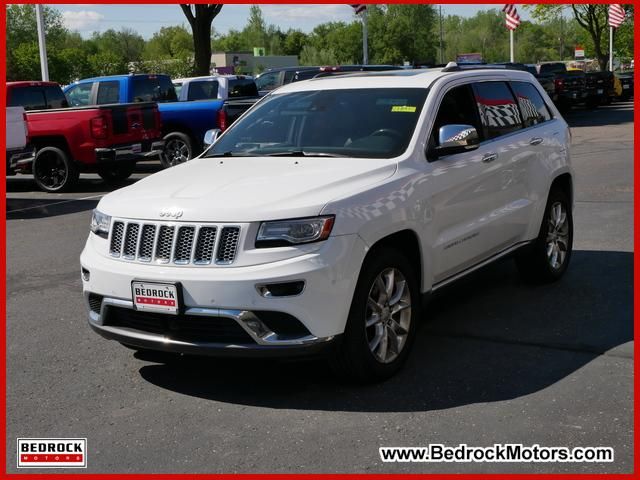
x,y
250,323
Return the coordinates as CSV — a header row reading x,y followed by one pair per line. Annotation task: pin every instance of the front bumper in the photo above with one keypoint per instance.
x,y
134,151
231,294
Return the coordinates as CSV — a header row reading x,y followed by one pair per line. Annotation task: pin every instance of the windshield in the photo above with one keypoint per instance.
x,y
365,123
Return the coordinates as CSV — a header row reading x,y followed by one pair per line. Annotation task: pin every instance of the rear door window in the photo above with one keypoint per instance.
x,y
532,106
80,95
204,90
499,112
153,88
108,92
31,98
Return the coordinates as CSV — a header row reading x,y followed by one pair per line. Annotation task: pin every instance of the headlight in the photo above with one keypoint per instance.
x,y
100,223
283,233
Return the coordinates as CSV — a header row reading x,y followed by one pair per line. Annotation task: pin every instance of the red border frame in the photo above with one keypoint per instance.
x,y
3,338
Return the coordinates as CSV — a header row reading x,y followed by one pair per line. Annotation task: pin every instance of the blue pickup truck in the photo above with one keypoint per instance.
x,y
184,123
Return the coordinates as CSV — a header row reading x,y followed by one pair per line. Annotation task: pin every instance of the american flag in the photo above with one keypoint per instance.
x,y
616,15
359,8
513,19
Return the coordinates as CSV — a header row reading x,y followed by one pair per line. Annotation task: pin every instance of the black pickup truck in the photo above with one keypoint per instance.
x,y
600,88
570,85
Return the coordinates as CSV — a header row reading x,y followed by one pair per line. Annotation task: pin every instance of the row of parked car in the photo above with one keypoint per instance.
x,y
104,125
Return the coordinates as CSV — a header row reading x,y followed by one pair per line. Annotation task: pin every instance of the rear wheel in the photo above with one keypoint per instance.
x,y
116,173
53,170
382,321
548,257
178,148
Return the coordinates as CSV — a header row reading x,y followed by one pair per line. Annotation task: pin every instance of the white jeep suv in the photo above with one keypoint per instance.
x,y
321,217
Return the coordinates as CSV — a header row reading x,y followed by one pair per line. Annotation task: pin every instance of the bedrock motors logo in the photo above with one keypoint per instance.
x,y
52,453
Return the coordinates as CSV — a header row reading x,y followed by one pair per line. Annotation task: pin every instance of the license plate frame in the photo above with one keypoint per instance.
x,y
136,148
168,300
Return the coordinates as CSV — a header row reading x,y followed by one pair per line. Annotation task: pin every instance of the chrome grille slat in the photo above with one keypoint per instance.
x,y
204,246
130,241
164,243
184,245
228,245
117,236
147,241
174,243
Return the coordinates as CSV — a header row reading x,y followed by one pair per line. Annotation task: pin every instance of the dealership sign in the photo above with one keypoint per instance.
x,y
52,453
579,52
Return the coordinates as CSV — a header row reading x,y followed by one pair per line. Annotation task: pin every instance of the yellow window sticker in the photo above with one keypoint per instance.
x,y
403,108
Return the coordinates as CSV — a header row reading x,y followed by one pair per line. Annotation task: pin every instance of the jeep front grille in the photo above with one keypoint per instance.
x,y
174,243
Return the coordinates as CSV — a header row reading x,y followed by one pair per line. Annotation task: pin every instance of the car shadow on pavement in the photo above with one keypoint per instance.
x,y
29,208
616,114
490,338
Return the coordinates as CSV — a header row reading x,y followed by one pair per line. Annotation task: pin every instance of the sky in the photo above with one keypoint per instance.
x,y
147,19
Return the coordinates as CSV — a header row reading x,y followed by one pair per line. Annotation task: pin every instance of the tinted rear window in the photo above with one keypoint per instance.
x,y
153,89
205,90
242,87
31,98
108,92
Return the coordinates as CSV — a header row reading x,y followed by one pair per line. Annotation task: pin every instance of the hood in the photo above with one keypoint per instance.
x,y
245,189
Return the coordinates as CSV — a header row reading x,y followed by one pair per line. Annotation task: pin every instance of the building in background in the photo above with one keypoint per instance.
x,y
249,63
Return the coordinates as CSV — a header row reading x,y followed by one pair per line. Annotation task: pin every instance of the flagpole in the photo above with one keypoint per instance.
x,y
365,46
611,49
511,46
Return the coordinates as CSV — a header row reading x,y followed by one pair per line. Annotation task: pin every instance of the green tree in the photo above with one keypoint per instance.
x,y
401,33
169,42
294,41
314,56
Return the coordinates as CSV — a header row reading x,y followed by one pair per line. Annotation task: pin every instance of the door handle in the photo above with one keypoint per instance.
x,y
489,157
535,141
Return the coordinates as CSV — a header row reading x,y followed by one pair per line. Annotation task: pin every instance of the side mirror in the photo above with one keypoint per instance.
x,y
211,136
456,139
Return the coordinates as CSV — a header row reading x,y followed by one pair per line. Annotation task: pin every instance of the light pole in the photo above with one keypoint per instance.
x,y
42,45
441,35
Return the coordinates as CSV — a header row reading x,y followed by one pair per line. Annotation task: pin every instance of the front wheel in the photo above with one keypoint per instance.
x,y
178,148
548,257
53,170
382,321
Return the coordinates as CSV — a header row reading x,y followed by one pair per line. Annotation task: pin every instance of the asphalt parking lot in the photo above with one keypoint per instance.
x,y
495,361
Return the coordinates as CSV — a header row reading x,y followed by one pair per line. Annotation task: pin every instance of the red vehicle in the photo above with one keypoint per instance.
x,y
103,139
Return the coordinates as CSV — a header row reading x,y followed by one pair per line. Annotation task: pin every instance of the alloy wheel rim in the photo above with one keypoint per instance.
x,y
51,171
388,315
557,236
177,151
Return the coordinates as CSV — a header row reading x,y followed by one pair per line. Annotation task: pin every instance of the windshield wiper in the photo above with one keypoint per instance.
x,y
302,153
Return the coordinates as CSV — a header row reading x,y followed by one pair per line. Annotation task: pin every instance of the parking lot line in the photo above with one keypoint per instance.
x,y
54,203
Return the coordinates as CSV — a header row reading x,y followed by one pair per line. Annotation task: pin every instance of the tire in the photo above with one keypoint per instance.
x,y
116,173
178,148
358,357
53,170
536,262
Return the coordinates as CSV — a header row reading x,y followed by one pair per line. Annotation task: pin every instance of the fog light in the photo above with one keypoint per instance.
x,y
85,274
287,289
